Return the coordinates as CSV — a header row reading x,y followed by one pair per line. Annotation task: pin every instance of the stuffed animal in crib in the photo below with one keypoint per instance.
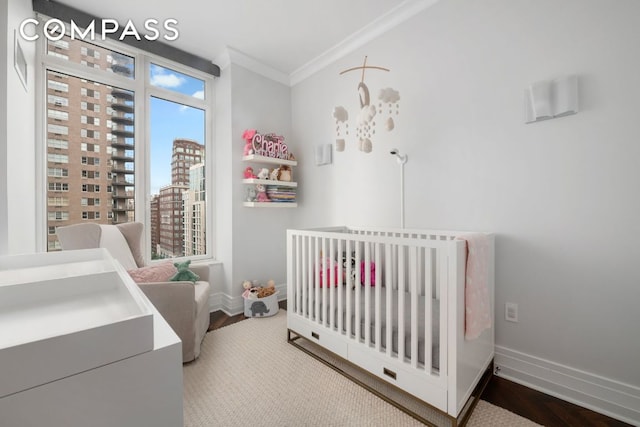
x,y
263,173
262,193
325,274
352,260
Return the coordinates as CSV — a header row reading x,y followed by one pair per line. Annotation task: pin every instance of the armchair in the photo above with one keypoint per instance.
x,y
184,305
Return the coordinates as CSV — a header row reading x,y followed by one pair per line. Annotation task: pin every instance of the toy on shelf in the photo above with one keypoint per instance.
x,y
248,141
285,173
262,193
251,194
263,173
248,173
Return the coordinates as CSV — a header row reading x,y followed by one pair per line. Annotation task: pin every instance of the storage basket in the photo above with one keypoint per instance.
x,y
261,307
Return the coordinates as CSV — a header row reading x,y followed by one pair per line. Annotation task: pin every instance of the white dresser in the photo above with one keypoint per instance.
x,y
80,345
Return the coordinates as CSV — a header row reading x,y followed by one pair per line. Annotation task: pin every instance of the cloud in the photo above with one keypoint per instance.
x,y
198,94
389,95
340,114
366,114
166,80
160,77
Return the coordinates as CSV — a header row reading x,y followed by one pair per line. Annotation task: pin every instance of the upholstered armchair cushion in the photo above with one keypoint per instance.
x,y
160,272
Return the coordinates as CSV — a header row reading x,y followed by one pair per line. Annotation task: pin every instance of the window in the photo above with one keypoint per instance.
x,y
94,132
57,129
57,86
58,115
57,158
58,186
58,201
57,172
57,143
54,245
58,216
58,101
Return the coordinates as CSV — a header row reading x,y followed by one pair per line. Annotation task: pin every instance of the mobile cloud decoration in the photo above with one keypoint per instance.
x,y
387,105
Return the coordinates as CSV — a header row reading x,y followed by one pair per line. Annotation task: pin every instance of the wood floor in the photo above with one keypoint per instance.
x,y
534,405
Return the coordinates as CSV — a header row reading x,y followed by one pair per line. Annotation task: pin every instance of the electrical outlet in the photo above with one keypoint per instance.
x,y
511,312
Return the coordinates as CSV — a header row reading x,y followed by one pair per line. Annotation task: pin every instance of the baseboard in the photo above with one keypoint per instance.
x,y
609,397
232,306
215,302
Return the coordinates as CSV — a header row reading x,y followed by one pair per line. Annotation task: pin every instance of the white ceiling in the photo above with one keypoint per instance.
x,y
282,34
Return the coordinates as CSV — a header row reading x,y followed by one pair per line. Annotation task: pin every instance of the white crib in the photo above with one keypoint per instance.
x,y
390,302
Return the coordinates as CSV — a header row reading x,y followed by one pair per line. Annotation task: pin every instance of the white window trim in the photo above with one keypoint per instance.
x,y
143,91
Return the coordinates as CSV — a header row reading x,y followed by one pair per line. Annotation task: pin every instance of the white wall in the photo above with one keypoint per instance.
x,y
251,241
561,195
4,55
17,136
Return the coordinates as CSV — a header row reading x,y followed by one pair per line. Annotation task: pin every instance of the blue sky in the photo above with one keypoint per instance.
x,y
170,120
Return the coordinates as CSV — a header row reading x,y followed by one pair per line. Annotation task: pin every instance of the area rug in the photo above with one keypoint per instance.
x,y
248,375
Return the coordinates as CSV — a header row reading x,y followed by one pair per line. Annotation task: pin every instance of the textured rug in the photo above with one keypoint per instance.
x,y
248,375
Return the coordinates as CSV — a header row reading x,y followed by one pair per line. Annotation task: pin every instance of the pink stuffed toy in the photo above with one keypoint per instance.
x,y
248,144
262,194
248,173
328,262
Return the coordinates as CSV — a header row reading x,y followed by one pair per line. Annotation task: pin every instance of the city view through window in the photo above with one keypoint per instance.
x,y
91,151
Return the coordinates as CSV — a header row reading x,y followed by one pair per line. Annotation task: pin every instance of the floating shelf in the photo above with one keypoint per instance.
x,y
269,182
272,160
270,205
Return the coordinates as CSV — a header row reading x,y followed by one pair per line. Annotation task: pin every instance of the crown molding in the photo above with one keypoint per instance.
x,y
381,25
234,56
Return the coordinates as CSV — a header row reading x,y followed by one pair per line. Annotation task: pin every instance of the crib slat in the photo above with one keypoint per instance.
x,y
428,310
325,285
413,281
358,306
316,256
389,286
295,253
378,281
367,294
309,260
444,309
348,289
332,281
340,287
401,288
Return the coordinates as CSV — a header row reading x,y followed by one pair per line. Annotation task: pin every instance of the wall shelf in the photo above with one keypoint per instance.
x,y
252,158
269,182
270,204
270,160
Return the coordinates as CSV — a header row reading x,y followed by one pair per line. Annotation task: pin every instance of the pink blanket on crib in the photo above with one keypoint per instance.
x,y
476,293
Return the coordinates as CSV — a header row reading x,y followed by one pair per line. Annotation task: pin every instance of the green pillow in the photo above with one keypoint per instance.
x,y
184,274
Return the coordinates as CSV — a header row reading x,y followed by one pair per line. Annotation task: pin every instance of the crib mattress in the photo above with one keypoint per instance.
x,y
435,321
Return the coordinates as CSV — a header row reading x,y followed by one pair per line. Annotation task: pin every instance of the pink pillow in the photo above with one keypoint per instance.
x,y
160,272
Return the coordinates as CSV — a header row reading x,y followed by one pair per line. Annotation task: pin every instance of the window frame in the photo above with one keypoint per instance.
x,y
143,91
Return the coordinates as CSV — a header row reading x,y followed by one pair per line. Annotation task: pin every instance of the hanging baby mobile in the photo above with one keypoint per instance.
x,y
369,115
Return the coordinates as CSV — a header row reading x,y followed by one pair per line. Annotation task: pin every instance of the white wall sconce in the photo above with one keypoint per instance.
x,y
323,154
551,98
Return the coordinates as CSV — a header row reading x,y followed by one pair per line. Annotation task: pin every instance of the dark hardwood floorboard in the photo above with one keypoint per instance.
x,y
542,408
534,405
